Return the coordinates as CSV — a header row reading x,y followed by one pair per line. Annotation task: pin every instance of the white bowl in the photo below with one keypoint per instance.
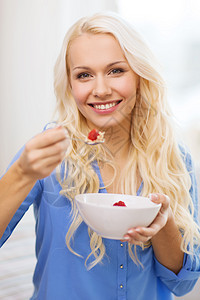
x,y
113,222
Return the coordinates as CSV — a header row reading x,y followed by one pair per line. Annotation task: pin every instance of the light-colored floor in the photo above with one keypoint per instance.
x,y
17,262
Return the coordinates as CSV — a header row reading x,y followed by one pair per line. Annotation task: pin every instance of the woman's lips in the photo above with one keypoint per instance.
x,y
105,107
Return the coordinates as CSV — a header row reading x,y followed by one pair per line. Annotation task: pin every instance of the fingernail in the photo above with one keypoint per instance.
x,y
65,131
130,231
153,197
126,238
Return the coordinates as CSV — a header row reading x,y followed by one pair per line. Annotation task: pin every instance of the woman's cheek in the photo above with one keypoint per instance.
x,y
80,94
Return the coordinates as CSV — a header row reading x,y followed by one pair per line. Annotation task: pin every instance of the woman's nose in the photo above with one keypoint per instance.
x,y
101,87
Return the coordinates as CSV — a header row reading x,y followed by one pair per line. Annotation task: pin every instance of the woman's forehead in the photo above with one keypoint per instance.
x,y
89,48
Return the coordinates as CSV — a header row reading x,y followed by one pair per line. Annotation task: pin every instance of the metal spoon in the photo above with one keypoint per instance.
x,y
52,125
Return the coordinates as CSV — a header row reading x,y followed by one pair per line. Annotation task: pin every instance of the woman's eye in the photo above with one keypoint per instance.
x,y
116,71
83,75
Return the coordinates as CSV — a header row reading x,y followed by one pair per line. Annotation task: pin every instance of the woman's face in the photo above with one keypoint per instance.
x,y
102,82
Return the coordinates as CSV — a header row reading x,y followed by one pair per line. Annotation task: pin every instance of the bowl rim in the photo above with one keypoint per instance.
x,y
154,205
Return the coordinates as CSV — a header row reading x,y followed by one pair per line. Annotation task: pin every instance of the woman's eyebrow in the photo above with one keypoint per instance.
x,y
116,62
109,65
81,67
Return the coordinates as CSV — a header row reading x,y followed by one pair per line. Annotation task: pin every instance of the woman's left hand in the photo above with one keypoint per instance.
x,y
140,235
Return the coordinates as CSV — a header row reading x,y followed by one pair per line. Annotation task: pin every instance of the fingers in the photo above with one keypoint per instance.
x,y
44,152
138,235
142,235
50,143
44,168
160,198
58,148
47,138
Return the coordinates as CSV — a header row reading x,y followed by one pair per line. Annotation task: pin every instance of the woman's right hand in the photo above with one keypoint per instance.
x,y
39,158
43,153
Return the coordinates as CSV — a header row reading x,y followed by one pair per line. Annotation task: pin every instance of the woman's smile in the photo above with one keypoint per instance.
x,y
104,108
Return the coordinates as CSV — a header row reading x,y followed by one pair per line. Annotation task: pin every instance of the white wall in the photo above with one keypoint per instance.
x,y
171,29
31,34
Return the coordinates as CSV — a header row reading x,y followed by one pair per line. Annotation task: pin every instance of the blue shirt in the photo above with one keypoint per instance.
x,y
61,275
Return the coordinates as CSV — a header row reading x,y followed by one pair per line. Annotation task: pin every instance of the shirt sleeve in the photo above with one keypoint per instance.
x,y
34,195
184,281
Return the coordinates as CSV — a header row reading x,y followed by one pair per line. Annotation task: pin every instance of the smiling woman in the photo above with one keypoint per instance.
x,y
107,78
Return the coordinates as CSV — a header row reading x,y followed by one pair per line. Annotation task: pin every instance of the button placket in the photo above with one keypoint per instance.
x,y
122,270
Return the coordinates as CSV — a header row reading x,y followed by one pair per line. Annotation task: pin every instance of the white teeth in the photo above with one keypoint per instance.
x,y
107,106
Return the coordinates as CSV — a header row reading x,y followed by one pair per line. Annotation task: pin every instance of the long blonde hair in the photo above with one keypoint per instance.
x,y
154,152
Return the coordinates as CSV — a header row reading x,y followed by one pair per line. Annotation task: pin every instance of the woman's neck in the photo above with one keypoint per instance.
x,y
118,142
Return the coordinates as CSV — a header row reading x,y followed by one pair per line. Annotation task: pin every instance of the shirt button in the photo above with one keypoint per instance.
x,y
121,286
121,266
121,245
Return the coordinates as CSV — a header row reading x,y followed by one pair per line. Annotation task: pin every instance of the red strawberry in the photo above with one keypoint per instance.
x,y
93,134
120,203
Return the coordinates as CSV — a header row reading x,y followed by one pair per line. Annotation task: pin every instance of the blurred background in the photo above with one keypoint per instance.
x,y
31,34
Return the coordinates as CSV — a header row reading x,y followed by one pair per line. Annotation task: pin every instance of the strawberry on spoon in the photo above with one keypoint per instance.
x,y
95,137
